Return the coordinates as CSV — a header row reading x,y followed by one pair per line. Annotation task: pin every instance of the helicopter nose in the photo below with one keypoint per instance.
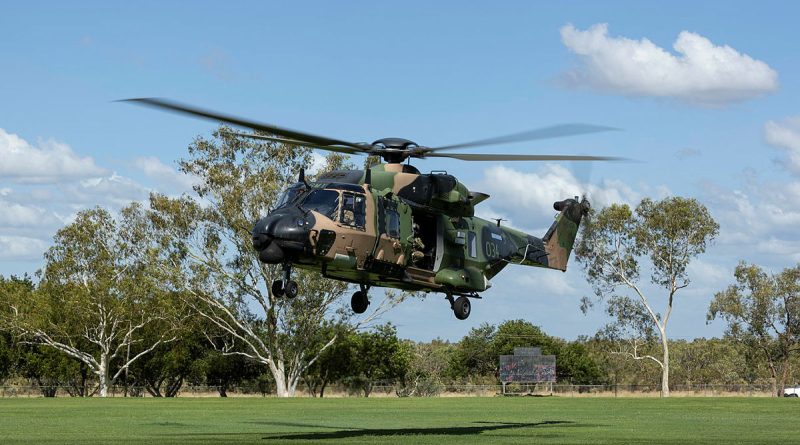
x,y
282,236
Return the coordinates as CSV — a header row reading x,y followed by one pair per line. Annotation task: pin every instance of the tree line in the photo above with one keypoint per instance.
x,y
170,292
360,360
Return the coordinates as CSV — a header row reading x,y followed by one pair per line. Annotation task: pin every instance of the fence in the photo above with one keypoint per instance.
x,y
431,390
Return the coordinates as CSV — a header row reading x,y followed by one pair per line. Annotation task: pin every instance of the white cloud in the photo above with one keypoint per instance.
x,y
24,216
785,134
547,282
114,191
18,248
153,168
758,223
50,162
701,73
43,187
527,198
318,162
708,277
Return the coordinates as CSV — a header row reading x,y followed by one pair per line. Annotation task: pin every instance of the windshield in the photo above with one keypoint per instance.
x,y
325,202
289,195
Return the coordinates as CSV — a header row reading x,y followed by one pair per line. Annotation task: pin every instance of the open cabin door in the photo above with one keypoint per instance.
x,y
394,232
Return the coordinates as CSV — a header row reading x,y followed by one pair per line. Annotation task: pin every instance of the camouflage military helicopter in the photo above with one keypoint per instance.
x,y
392,226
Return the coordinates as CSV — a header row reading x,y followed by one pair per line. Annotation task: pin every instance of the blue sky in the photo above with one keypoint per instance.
x,y
712,113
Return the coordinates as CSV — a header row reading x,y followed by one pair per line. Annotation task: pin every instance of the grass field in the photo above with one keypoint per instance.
x,y
523,420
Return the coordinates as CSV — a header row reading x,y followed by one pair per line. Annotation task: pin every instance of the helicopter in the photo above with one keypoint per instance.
x,y
391,225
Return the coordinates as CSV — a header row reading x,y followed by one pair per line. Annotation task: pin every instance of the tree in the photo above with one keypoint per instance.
x,y
478,353
7,355
474,355
574,365
708,361
96,295
520,333
225,371
210,256
163,372
11,287
763,312
335,362
52,370
428,367
379,355
669,233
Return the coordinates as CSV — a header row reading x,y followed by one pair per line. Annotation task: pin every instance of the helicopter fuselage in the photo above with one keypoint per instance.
x,y
394,227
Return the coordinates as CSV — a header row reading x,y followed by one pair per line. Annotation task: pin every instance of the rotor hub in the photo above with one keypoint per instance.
x,y
394,150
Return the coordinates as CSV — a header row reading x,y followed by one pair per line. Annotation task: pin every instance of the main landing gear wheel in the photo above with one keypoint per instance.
x,y
290,289
359,302
462,308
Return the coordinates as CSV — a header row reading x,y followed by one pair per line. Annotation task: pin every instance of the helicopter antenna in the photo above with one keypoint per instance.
x,y
499,220
302,176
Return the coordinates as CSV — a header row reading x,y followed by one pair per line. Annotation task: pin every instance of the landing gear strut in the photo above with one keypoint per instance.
x,y
285,287
461,306
360,301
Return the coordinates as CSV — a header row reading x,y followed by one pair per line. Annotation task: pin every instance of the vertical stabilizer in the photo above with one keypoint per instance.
x,y
559,239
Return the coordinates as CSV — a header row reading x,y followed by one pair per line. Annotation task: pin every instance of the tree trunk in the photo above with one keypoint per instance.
x,y
283,387
774,379
174,387
322,389
665,366
367,388
784,376
102,376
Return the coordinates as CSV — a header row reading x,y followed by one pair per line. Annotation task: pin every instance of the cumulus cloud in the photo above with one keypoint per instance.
x,y
50,162
114,191
700,73
759,221
547,283
153,168
43,187
16,215
19,248
785,135
527,198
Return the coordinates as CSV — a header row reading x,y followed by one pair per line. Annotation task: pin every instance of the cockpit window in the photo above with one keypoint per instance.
x,y
354,212
290,194
325,202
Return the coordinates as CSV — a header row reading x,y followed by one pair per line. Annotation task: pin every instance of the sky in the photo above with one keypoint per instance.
x,y
705,95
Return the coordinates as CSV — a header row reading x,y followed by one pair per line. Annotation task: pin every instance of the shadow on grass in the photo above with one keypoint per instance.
x,y
475,428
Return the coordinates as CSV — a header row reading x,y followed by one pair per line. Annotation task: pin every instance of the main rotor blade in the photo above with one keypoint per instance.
x,y
554,131
242,122
347,150
507,157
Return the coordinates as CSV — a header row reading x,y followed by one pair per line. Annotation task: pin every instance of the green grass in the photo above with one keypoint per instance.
x,y
523,420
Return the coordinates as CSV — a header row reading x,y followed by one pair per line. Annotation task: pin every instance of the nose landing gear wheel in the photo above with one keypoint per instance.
x,y
462,308
359,302
277,288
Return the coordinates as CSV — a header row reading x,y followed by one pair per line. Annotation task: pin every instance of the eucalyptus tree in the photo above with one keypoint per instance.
x,y
763,312
210,256
664,236
97,294
379,356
